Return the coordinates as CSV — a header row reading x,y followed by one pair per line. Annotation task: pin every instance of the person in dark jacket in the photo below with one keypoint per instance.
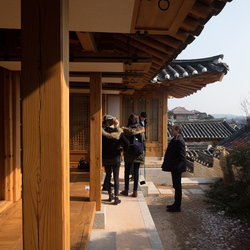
x,y
112,140
175,162
132,129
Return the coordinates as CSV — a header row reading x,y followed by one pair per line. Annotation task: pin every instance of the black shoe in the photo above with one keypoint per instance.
x,y
117,201
170,206
111,197
174,209
111,185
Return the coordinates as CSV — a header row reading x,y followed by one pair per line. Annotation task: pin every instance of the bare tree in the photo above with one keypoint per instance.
x,y
245,106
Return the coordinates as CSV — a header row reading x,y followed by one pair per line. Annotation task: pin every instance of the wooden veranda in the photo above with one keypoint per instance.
x,y
52,49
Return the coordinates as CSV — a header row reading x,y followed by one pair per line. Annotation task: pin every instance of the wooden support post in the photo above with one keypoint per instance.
x,y
95,138
164,123
8,142
45,113
17,179
2,193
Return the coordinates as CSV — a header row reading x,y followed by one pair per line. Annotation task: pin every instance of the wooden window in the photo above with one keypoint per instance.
x,y
141,105
79,122
153,122
137,105
128,108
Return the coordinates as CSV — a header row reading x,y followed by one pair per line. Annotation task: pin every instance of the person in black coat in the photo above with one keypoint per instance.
x,y
175,162
112,141
133,129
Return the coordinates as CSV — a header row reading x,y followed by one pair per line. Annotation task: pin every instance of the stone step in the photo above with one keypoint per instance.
x,y
103,241
193,180
149,190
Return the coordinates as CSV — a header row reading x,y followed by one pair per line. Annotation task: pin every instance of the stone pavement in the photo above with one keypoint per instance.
x,y
129,225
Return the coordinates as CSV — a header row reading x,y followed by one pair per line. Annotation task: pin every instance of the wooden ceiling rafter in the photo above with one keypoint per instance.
x,y
87,41
162,43
154,44
167,40
142,46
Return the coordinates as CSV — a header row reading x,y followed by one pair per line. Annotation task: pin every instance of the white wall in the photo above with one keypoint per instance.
x,y
114,106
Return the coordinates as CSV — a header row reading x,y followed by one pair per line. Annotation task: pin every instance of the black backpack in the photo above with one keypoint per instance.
x,y
83,165
136,145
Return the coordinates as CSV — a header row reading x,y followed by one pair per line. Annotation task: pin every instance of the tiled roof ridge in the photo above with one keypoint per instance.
x,y
205,59
238,135
178,69
198,120
203,129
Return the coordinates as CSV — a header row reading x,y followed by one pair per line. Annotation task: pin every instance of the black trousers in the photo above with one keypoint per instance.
x,y
136,174
176,180
108,169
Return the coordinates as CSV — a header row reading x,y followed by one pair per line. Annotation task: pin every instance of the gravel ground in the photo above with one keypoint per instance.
x,y
196,227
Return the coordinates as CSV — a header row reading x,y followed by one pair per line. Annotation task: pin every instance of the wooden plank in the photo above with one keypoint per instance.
x,y
95,138
82,218
11,227
45,95
17,178
9,212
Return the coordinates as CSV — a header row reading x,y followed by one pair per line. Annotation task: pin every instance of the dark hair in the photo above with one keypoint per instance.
x,y
105,124
177,128
143,114
133,119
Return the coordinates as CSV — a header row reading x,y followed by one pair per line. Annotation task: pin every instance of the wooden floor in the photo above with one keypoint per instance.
x,y
82,214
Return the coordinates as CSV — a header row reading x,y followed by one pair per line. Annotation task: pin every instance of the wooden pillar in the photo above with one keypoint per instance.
x,y
6,143
164,123
45,120
17,182
8,136
95,138
2,193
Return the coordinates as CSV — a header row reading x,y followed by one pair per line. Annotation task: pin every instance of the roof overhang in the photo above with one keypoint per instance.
x,y
144,36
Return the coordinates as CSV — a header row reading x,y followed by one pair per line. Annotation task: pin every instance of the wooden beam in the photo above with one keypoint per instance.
x,y
17,177
168,40
45,109
8,136
87,41
154,44
181,15
143,47
95,138
2,172
201,10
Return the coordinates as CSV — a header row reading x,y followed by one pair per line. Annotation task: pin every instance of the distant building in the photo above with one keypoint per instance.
x,y
180,113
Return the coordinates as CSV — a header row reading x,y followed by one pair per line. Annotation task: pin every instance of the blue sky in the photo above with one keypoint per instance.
x,y
227,34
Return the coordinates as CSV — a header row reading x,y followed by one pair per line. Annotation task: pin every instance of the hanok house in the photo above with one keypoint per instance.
x,y
64,64
180,113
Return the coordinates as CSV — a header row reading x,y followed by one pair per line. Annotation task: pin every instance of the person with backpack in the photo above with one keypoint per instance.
x,y
113,140
136,152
